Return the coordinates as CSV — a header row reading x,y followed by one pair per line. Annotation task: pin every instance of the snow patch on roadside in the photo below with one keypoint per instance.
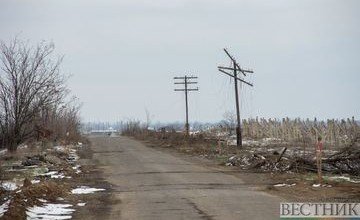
x,y
316,185
60,148
55,175
85,190
284,184
77,169
35,181
4,207
9,186
73,157
50,211
344,178
4,151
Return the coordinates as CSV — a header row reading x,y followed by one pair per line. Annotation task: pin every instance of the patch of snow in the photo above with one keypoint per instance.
x,y
3,151
50,173
17,169
31,167
271,139
284,184
35,181
250,142
72,156
219,133
321,185
42,200
22,147
4,207
9,186
77,169
232,158
231,142
54,175
85,190
344,178
50,211
60,148
81,204
262,157
39,171
194,132
57,176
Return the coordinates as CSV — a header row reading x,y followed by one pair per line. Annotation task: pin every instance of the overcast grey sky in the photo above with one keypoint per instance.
x,y
123,54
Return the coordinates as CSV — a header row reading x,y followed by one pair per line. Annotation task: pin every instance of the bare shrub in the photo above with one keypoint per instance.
x,y
31,86
229,122
132,128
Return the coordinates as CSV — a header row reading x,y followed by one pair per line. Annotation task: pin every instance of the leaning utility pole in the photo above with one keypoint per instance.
x,y
186,80
236,69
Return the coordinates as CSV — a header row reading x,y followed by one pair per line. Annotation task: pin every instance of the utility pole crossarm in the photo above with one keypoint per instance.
x,y
184,82
197,89
187,77
236,77
229,68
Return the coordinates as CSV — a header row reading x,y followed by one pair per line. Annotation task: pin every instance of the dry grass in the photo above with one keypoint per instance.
x,y
334,132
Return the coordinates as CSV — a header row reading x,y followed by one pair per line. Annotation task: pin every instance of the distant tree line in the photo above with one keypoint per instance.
x,y
337,132
34,98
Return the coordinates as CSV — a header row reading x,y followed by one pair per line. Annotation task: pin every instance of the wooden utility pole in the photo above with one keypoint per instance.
x,y
236,69
186,80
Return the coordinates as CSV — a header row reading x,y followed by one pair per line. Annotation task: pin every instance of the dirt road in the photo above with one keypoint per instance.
x,y
156,185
